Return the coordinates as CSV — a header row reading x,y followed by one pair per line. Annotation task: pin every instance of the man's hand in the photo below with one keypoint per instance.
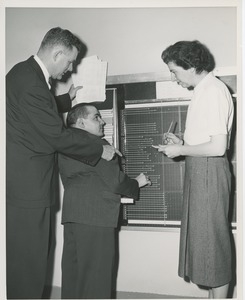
x,y
143,180
73,91
109,152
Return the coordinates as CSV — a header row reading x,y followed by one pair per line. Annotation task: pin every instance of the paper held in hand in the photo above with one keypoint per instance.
x,y
91,74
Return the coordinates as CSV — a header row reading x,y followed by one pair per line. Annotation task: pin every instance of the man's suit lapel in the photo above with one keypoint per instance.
x,y
41,76
37,69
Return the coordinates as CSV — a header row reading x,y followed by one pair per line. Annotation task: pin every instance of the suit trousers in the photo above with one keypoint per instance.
x,y
87,261
27,246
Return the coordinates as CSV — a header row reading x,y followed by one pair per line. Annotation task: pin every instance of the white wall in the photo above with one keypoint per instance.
x,y
149,263
131,40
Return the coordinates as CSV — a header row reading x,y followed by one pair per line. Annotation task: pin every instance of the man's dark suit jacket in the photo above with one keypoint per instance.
x,y
34,135
92,194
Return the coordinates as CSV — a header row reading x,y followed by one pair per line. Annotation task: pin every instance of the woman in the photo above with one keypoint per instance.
x,y
205,249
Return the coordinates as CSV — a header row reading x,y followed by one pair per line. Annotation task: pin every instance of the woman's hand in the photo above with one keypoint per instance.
x,y
170,150
170,138
172,145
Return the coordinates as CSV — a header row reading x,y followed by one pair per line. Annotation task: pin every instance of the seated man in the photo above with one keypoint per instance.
x,y
90,212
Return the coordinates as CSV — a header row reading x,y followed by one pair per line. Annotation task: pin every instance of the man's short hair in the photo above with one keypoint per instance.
x,y
78,111
59,36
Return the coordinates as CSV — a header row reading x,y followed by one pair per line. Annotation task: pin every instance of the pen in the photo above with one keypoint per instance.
x,y
165,141
170,126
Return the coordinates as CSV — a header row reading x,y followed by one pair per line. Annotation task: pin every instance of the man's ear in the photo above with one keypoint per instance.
x,y
80,123
57,53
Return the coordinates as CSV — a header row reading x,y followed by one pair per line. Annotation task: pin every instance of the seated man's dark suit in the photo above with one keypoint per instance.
x,y
91,204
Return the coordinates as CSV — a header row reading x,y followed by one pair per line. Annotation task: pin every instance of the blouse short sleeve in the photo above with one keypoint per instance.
x,y
210,111
217,112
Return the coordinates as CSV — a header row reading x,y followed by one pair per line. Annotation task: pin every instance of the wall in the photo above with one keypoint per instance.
x,y
131,40
149,263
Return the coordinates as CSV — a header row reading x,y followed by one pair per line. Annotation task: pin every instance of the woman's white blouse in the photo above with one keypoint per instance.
x,y
210,111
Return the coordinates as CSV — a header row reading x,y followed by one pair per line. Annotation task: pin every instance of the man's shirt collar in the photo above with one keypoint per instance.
x,y
44,69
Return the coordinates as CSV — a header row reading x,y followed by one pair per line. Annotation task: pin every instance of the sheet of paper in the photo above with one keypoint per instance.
x,y
91,74
125,200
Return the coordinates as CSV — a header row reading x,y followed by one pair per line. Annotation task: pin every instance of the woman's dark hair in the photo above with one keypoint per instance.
x,y
189,54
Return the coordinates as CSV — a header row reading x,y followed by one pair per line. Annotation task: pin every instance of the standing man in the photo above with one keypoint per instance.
x,y
35,133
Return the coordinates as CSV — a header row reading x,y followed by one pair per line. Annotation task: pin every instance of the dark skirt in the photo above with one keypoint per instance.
x,y
205,246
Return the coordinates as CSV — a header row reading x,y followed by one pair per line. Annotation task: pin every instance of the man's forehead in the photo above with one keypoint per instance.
x,y
92,110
